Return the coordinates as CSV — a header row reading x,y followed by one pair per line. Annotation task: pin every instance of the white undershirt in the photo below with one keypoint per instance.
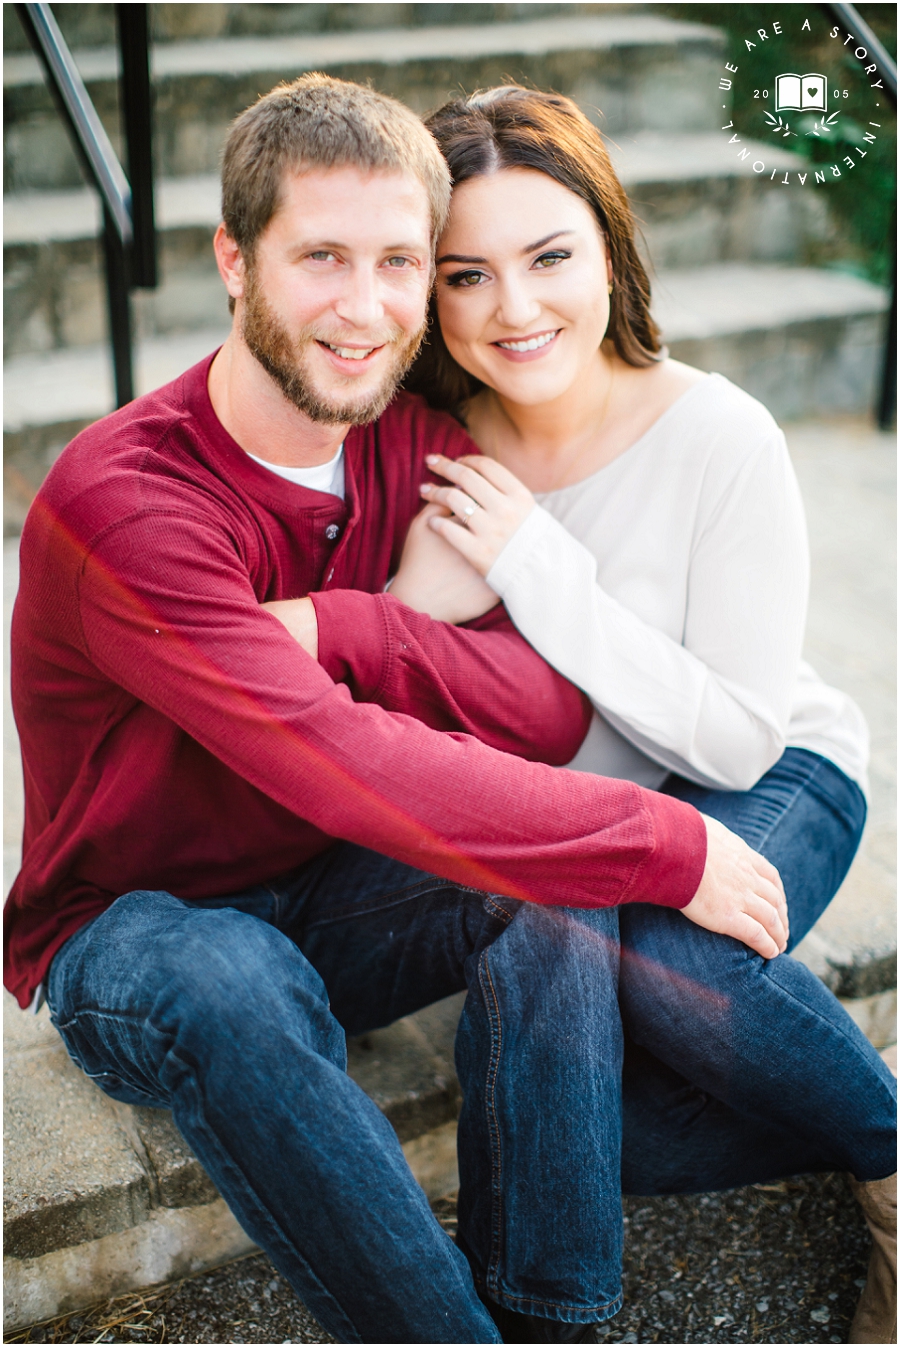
x,y
671,586
327,477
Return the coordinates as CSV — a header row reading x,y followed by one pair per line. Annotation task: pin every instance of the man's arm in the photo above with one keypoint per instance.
x,y
482,679
168,613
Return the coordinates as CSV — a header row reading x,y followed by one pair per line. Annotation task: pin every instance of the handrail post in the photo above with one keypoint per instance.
x,y
137,116
129,240
118,303
887,394
851,19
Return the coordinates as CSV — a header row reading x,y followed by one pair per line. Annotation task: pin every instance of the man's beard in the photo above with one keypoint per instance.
x,y
285,360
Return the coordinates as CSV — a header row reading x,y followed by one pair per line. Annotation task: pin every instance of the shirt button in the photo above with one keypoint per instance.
x,y
332,532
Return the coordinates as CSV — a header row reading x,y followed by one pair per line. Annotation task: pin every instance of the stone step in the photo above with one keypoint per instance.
x,y
101,1198
806,342
848,479
696,201
643,70
802,340
88,25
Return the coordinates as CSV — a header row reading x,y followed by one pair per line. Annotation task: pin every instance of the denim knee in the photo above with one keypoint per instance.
x,y
587,937
674,971
155,976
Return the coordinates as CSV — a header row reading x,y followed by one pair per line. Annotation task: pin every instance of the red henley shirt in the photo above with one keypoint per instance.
x,y
174,736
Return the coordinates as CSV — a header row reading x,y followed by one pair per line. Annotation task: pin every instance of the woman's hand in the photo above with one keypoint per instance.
x,y
299,616
488,504
740,894
435,579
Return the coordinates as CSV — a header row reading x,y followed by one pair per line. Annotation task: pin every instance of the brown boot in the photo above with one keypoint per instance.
x,y
875,1319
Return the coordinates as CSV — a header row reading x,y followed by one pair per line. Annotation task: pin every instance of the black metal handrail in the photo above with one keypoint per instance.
x,y
853,22
129,232
137,116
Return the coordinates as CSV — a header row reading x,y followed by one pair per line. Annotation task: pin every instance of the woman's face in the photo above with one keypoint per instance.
x,y
522,282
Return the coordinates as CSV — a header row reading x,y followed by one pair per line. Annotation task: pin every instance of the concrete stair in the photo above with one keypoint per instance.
x,y
642,69
701,209
101,1198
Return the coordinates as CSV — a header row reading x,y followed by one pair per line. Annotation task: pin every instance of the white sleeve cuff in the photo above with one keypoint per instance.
x,y
520,548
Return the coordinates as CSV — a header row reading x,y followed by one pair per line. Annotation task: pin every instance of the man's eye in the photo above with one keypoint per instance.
x,y
550,259
466,279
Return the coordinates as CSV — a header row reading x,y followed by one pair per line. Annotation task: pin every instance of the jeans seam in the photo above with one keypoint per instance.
x,y
557,1305
394,899
119,1018
100,1014
97,1076
496,1027
280,901
261,1208
804,785
498,909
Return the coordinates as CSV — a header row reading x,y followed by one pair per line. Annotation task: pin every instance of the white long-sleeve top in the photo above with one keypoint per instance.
x,y
671,586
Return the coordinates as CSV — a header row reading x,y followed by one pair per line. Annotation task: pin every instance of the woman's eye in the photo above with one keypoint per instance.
x,y
466,279
550,259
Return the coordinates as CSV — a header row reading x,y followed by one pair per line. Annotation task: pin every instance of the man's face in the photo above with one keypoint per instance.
x,y
334,298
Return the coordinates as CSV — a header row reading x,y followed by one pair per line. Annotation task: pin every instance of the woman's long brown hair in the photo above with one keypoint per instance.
x,y
514,127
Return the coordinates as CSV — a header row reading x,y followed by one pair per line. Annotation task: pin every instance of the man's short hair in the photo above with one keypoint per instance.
x,y
320,122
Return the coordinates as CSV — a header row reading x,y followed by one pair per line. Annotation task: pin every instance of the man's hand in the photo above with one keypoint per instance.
x,y
740,894
434,578
299,616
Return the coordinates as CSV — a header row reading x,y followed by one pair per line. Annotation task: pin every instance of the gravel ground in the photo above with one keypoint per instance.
x,y
780,1262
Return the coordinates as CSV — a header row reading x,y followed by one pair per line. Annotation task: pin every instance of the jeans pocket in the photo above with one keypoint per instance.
x,y
113,1066
125,1091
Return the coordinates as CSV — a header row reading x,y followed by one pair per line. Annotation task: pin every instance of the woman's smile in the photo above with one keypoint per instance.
x,y
527,348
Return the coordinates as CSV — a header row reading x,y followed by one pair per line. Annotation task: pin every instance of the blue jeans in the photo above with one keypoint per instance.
x,y
232,1013
742,1069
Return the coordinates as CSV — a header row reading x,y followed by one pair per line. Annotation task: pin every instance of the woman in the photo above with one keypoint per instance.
x,y
642,524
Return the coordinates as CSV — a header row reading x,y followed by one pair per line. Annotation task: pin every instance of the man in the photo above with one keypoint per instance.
x,y
203,938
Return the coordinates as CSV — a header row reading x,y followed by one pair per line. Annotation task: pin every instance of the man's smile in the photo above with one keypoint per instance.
x,y
351,352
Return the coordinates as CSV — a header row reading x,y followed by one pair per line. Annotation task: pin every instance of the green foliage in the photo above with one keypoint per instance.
x,y
863,201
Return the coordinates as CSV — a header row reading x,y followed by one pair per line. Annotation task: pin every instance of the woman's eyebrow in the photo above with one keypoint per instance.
x,y
530,248
458,257
541,243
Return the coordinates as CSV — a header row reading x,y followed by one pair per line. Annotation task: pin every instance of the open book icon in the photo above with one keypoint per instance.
x,y
802,93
